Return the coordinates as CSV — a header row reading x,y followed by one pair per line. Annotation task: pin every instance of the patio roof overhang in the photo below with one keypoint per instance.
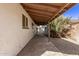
x,y
42,13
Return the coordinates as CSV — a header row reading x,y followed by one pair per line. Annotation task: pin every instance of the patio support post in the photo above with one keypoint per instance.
x,y
48,32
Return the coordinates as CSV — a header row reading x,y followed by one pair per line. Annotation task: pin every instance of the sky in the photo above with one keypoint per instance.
x,y
73,12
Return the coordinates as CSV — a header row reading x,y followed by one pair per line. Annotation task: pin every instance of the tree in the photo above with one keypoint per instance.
x,y
59,24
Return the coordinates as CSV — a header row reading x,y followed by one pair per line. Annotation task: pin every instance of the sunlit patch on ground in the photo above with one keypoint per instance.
x,y
52,53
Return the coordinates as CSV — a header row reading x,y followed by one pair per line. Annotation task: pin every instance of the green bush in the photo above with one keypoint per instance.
x,y
58,24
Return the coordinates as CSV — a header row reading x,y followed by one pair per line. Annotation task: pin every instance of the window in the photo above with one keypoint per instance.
x,y
24,22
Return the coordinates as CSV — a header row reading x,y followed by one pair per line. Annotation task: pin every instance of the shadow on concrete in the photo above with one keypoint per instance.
x,y
66,47
39,44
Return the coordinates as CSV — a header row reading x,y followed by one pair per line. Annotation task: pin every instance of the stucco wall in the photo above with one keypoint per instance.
x,y
12,37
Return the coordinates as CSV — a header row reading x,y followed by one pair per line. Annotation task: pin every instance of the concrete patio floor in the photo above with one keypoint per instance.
x,y
39,46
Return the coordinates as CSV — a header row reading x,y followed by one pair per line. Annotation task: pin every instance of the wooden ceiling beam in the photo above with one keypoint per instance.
x,y
42,13
26,6
34,14
40,18
64,10
49,5
69,6
39,12
57,14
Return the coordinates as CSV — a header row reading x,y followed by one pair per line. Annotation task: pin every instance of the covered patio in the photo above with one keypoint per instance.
x,y
42,45
44,13
25,30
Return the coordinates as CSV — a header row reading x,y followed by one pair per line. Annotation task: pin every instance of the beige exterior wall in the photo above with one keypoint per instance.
x,y
12,37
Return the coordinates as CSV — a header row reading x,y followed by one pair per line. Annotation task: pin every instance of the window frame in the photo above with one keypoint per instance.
x,y
24,22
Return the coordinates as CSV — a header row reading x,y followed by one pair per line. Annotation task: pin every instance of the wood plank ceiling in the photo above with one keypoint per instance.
x,y
41,13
